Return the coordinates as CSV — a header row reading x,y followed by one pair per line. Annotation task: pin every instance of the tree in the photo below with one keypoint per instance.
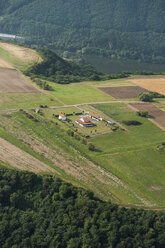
x,y
145,97
142,113
91,147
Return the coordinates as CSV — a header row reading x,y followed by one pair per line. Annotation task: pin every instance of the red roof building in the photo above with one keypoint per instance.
x,y
85,122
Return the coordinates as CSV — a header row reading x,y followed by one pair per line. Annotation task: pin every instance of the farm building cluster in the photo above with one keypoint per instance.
x,y
84,121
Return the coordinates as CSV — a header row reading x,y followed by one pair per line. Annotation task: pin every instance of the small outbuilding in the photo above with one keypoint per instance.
x,y
96,117
62,117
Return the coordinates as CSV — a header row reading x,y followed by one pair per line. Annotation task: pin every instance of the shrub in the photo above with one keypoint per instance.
x,y
132,122
77,137
145,97
91,147
70,133
142,113
84,141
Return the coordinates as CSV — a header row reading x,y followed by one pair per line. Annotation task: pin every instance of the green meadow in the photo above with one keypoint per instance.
x,y
26,100
77,94
133,155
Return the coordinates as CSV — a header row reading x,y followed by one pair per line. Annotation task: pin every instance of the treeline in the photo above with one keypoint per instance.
x,y
115,29
59,70
43,211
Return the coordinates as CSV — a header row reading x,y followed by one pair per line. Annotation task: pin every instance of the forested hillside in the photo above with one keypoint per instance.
x,y
46,212
118,29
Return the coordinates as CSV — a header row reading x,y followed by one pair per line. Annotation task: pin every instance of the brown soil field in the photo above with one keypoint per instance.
x,y
12,82
25,54
157,116
123,92
4,64
19,159
156,84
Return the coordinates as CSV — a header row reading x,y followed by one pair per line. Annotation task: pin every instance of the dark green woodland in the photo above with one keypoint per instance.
x,y
117,29
43,211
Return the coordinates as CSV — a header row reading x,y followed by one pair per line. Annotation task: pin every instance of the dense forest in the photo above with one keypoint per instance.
x,y
43,211
117,29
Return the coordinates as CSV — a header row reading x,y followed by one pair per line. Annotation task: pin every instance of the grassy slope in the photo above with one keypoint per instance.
x,y
132,156
121,158
16,62
46,132
129,155
26,100
23,100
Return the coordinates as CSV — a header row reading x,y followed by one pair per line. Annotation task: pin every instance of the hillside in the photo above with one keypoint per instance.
x,y
107,154
117,29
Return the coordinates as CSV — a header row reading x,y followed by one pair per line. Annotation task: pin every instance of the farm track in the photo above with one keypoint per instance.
x,y
8,111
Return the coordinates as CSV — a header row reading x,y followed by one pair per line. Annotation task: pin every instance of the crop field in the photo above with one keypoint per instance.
x,y
134,156
11,81
19,159
123,92
25,54
108,83
75,94
156,84
155,113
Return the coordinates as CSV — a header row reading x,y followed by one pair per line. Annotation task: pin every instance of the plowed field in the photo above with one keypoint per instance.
x,y
14,156
125,92
12,82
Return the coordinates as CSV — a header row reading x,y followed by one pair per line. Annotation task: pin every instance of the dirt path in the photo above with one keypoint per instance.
x,y
8,111
19,159
4,64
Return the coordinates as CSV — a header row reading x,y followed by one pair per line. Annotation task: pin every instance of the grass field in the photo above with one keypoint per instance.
x,y
133,156
160,105
74,94
26,100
